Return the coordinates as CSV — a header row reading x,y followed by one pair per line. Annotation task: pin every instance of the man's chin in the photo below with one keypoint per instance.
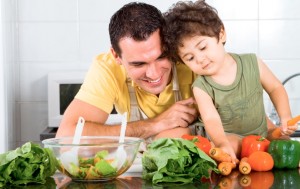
x,y
154,90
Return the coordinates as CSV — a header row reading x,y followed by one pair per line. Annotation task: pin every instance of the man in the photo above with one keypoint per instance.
x,y
134,77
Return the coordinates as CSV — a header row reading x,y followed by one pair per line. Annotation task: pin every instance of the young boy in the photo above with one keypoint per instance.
x,y
229,89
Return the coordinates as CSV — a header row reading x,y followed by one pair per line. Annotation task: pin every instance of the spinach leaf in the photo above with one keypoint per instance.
x,y
177,161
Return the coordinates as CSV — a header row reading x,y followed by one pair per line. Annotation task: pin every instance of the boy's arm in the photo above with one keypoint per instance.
x,y
212,122
277,94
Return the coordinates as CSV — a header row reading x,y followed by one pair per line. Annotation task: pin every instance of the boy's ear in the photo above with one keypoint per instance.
x,y
222,36
116,56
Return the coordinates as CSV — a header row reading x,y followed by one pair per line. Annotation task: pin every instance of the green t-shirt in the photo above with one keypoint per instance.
x,y
240,105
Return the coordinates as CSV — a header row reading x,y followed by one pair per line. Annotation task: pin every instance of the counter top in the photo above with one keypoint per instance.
x,y
276,179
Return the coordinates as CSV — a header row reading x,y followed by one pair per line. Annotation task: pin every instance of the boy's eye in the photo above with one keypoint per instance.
x,y
202,48
190,58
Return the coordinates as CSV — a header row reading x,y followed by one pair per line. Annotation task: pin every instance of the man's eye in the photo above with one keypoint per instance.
x,y
138,65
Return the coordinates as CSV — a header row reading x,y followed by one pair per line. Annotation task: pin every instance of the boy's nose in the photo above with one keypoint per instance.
x,y
200,58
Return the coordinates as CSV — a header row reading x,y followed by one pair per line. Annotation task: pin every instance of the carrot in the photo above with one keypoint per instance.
x,y
109,160
225,183
90,173
218,155
293,121
226,167
244,166
245,180
277,132
96,160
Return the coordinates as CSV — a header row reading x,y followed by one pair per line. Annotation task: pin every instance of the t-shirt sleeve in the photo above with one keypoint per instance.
x,y
100,86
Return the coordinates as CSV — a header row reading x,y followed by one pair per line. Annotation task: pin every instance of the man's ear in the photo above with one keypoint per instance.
x,y
116,56
222,36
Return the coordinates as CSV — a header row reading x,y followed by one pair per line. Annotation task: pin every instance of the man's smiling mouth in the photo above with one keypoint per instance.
x,y
153,81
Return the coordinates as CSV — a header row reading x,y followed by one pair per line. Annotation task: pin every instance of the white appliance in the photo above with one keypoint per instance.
x,y
62,87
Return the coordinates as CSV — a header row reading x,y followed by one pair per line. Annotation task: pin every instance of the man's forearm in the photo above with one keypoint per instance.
x,y
142,129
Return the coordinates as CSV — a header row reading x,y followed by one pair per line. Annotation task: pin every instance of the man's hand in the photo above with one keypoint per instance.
x,y
181,114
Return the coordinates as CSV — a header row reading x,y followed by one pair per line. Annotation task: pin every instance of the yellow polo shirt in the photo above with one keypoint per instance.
x,y
105,86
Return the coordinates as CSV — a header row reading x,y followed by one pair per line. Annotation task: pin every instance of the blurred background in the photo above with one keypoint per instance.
x,y
43,36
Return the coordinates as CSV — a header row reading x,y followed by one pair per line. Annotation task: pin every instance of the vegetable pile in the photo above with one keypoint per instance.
x,y
176,161
29,163
264,155
254,151
225,164
92,168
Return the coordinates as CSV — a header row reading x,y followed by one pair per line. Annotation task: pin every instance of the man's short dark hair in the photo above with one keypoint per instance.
x,y
136,20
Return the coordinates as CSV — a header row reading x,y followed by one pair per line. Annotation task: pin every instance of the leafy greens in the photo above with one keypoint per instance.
x,y
91,168
177,161
29,163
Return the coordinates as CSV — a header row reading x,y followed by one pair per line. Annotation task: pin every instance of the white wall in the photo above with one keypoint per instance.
x,y
8,125
61,35
3,139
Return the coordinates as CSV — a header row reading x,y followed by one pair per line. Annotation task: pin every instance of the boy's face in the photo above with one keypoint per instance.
x,y
145,63
204,55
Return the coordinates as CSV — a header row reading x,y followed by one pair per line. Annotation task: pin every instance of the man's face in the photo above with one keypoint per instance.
x,y
145,63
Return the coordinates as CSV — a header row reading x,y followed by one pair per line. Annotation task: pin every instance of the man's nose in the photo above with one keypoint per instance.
x,y
152,70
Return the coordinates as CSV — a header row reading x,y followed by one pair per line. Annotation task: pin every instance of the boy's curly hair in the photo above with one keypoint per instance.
x,y
188,19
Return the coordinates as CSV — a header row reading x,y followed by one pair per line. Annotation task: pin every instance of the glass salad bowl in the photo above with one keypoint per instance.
x,y
96,158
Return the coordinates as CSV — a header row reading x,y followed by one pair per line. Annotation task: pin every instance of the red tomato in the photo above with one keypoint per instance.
x,y
261,161
188,137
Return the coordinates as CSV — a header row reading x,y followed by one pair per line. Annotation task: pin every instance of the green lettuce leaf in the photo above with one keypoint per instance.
x,y
29,163
175,160
105,168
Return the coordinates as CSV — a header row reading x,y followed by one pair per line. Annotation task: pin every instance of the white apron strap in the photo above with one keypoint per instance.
x,y
176,90
195,127
135,112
